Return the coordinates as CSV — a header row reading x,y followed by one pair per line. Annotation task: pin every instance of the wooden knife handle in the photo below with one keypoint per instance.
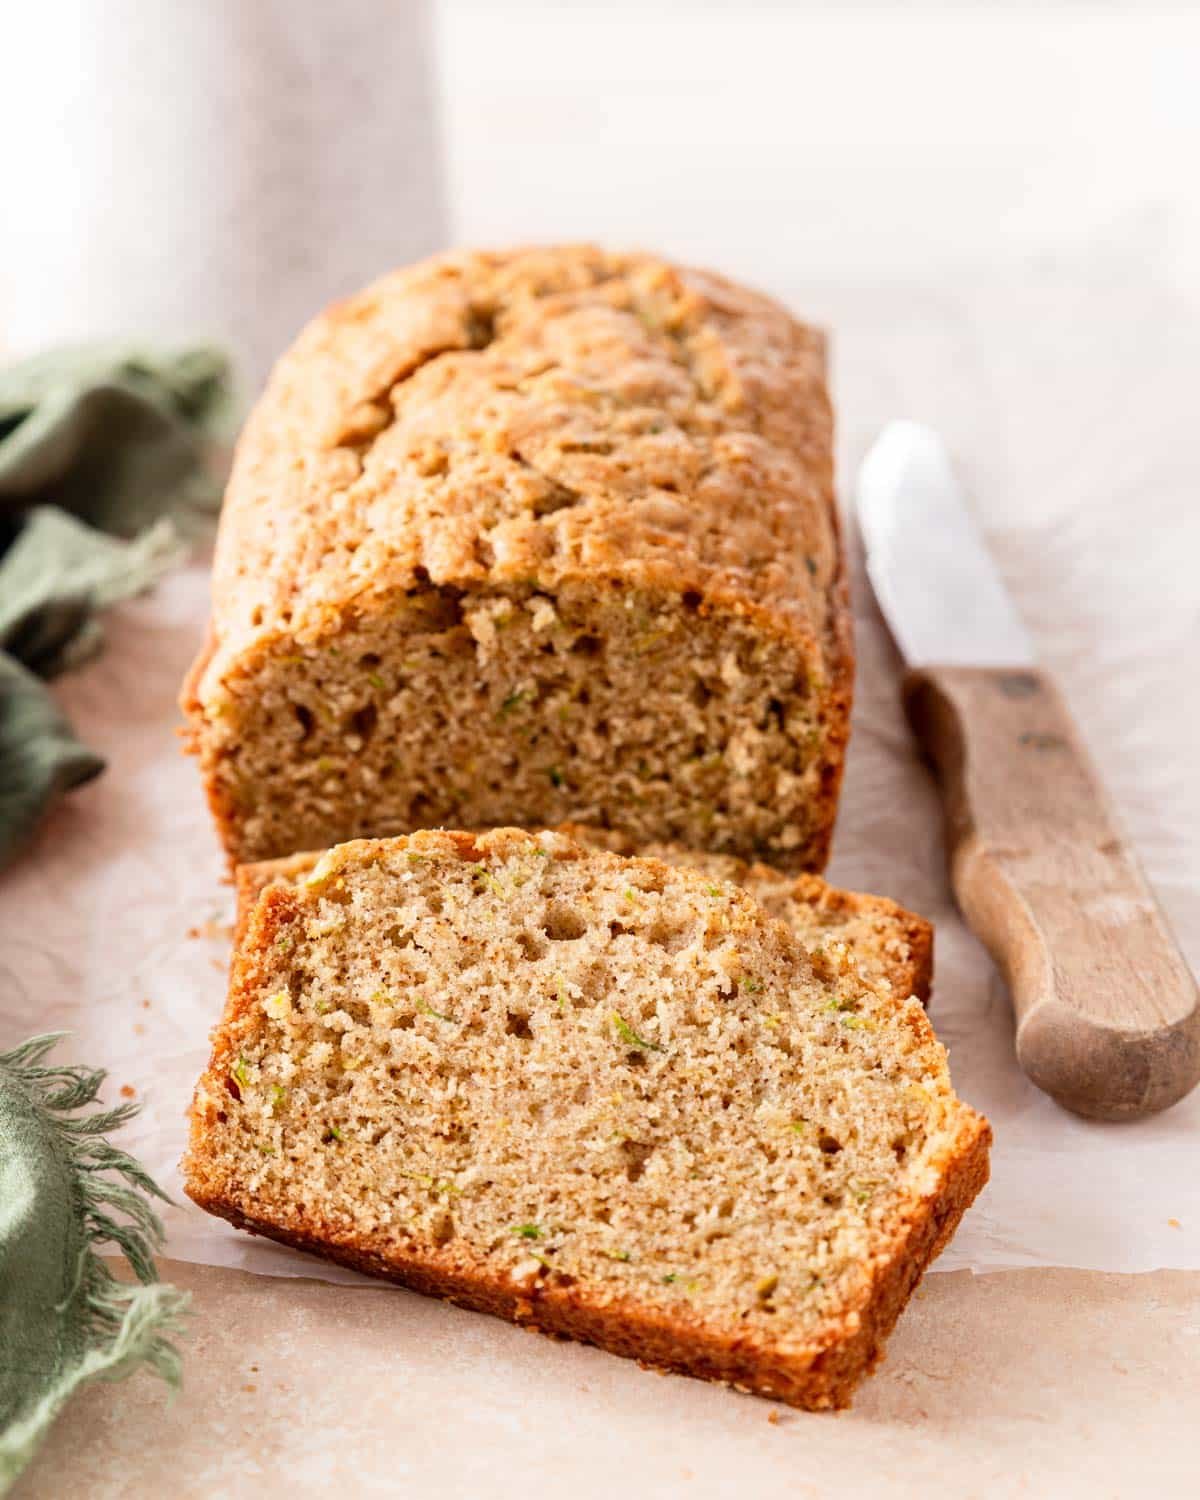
x,y
1107,1011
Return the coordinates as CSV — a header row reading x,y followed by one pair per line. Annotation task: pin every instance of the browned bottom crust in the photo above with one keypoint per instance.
x,y
815,1379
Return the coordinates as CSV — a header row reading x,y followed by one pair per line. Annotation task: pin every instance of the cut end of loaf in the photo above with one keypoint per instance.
x,y
654,714
605,1096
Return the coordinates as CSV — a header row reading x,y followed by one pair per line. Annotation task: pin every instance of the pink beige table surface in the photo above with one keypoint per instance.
x,y
1054,1385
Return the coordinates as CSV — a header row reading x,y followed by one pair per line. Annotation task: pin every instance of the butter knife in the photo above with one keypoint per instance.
x,y
1107,1011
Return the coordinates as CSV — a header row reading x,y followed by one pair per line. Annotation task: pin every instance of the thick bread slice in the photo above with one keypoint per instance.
x,y
605,1097
885,941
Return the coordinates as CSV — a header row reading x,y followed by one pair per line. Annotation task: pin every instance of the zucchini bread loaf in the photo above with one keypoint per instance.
x,y
886,943
530,537
606,1097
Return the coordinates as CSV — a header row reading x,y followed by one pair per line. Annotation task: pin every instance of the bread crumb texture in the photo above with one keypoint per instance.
x,y
887,944
605,1096
530,537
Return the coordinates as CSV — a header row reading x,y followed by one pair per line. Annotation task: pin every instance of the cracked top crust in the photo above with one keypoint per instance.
x,y
489,418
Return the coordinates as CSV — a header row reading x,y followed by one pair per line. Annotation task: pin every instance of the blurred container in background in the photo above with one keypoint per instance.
x,y
217,170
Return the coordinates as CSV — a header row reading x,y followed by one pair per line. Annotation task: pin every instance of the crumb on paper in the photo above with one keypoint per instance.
x,y
773,1417
128,1091
1174,1223
146,1004
249,1388
138,1029
211,928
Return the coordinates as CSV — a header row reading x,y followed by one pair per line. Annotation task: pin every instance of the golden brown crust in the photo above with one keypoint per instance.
x,y
565,413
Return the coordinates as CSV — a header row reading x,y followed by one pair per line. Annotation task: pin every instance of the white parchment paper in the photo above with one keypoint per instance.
x,y
115,928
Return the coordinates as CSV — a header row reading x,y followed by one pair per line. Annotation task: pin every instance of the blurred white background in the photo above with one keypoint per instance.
x,y
210,168
867,142
222,167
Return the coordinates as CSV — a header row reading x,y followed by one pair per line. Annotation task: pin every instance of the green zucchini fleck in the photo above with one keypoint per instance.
x,y
627,1034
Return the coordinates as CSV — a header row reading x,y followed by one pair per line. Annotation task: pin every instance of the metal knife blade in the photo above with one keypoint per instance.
x,y
936,585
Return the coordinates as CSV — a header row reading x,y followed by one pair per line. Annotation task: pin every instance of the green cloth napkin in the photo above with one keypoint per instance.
x,y
107,473
106,476
64,1191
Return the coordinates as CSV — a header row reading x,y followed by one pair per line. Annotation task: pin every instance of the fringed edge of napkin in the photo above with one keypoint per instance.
x,y
126,1324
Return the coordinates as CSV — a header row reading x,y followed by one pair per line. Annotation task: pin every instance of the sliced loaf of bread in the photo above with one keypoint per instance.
x,y
605,1097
